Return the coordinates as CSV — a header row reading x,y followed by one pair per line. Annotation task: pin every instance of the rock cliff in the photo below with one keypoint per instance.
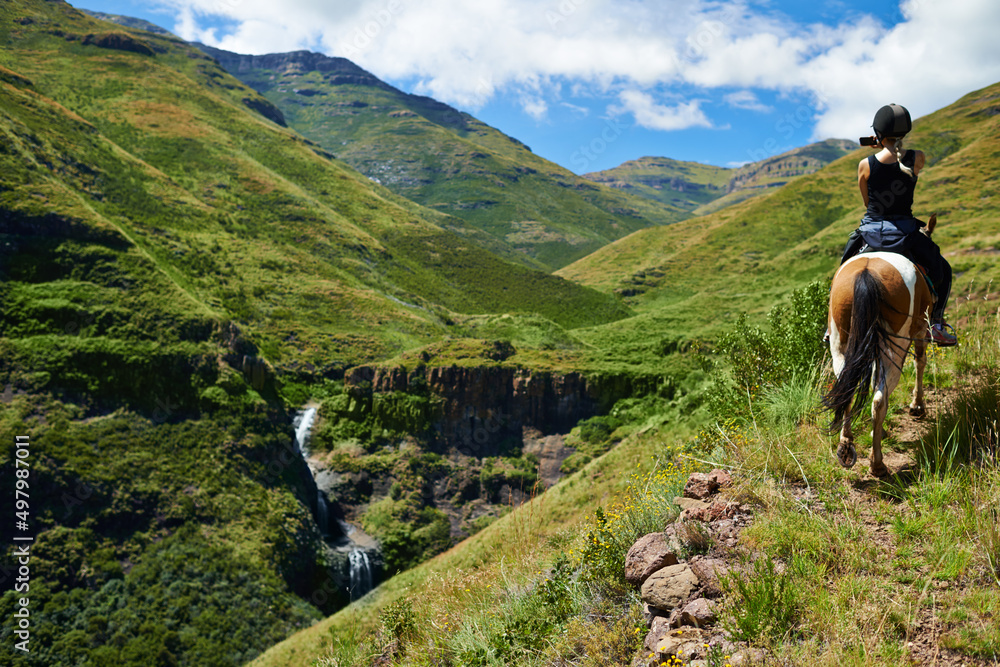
x,y
483,406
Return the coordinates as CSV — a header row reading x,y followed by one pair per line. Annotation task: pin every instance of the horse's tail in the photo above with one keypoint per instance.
x,y
868,336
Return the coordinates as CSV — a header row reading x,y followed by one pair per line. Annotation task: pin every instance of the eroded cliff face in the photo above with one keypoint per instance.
x,y
484,407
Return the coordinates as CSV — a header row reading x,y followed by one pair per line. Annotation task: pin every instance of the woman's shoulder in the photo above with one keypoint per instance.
x,y
914,158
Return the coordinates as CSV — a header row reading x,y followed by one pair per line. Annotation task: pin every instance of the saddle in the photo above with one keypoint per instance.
x,y
920,269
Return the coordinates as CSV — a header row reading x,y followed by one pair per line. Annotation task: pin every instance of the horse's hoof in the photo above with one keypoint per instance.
x,y
879,470
846,455
917,411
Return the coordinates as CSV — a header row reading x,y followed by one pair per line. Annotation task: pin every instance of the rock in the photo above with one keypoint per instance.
x,y
700,486
726,531
722,509
689,504
685,643
668,587
651,614
690,651
650,553
699,613
747,657
672,538
659,632
721,478
708,571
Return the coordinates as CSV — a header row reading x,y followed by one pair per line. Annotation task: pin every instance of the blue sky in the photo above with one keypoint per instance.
x,y
590,84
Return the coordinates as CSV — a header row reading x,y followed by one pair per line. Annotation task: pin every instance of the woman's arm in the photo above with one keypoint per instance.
x,y
918,162
863,173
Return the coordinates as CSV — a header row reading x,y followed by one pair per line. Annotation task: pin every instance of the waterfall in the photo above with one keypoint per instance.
x,y
322,513
361,574
303,423
346,538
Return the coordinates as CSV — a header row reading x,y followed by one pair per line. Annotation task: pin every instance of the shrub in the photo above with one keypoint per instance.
x,y
761,603
760,360
645,507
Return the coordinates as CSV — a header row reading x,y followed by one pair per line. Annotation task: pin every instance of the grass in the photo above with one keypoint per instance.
x,y
517,204
160,268
878,566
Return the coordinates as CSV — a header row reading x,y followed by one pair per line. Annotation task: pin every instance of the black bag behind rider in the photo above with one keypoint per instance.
x,y
887,181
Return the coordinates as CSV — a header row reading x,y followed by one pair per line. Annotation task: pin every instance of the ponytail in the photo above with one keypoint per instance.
x,y
898,148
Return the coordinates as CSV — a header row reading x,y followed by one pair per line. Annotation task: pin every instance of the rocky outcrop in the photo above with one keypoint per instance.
x,y
482,406
335,70
119,41
265,109
677,593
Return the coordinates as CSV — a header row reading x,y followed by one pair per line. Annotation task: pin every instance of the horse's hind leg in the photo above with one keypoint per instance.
x,y
917,406
880,407
847,455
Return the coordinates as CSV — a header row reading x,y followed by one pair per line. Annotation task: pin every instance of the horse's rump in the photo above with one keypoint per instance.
x,y
872,303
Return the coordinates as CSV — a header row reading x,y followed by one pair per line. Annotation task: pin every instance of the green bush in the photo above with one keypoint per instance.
x,y
761,603
518,472
758,359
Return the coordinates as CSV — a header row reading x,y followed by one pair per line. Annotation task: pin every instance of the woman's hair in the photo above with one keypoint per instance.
x,y
898,149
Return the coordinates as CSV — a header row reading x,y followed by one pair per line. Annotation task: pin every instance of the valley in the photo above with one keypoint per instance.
x,y
310,361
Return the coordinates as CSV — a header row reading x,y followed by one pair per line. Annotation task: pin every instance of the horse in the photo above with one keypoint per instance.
x,y
879,303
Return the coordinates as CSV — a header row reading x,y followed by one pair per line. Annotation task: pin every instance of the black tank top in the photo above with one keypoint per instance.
x,y
890,190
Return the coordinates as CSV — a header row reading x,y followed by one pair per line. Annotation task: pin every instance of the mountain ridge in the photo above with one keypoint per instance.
x,y
701,189
445,159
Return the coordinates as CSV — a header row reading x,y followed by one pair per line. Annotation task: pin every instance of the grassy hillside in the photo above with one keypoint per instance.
x,y
693,280
246,215
445,159
172,261
696,274
702,189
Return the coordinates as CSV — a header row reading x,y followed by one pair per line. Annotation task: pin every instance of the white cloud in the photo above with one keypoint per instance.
x,y
535,107
745,99
466,52
655,116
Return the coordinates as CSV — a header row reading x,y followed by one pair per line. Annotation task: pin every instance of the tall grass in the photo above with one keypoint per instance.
x,y
867,569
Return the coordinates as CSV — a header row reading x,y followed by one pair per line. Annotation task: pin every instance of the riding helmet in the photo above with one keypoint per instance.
x,y
892,120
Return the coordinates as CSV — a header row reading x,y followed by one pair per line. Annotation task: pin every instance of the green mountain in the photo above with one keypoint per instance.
x,y
175,266
746,256
445,159
702,189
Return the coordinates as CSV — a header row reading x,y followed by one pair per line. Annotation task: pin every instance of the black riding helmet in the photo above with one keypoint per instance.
x,y
892,120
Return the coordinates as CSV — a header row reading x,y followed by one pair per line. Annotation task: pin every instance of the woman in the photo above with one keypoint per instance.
x,y
887,180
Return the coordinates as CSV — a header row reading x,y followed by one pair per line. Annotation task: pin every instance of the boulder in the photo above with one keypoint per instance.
x,y
690,504
669,587
662,639
650,553
700,613
700,486
708,571
721,478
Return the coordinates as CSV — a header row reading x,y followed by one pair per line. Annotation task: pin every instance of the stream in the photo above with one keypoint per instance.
x,y
345,538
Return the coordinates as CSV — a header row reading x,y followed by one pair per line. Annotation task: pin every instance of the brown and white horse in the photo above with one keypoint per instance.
x,y
878,305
